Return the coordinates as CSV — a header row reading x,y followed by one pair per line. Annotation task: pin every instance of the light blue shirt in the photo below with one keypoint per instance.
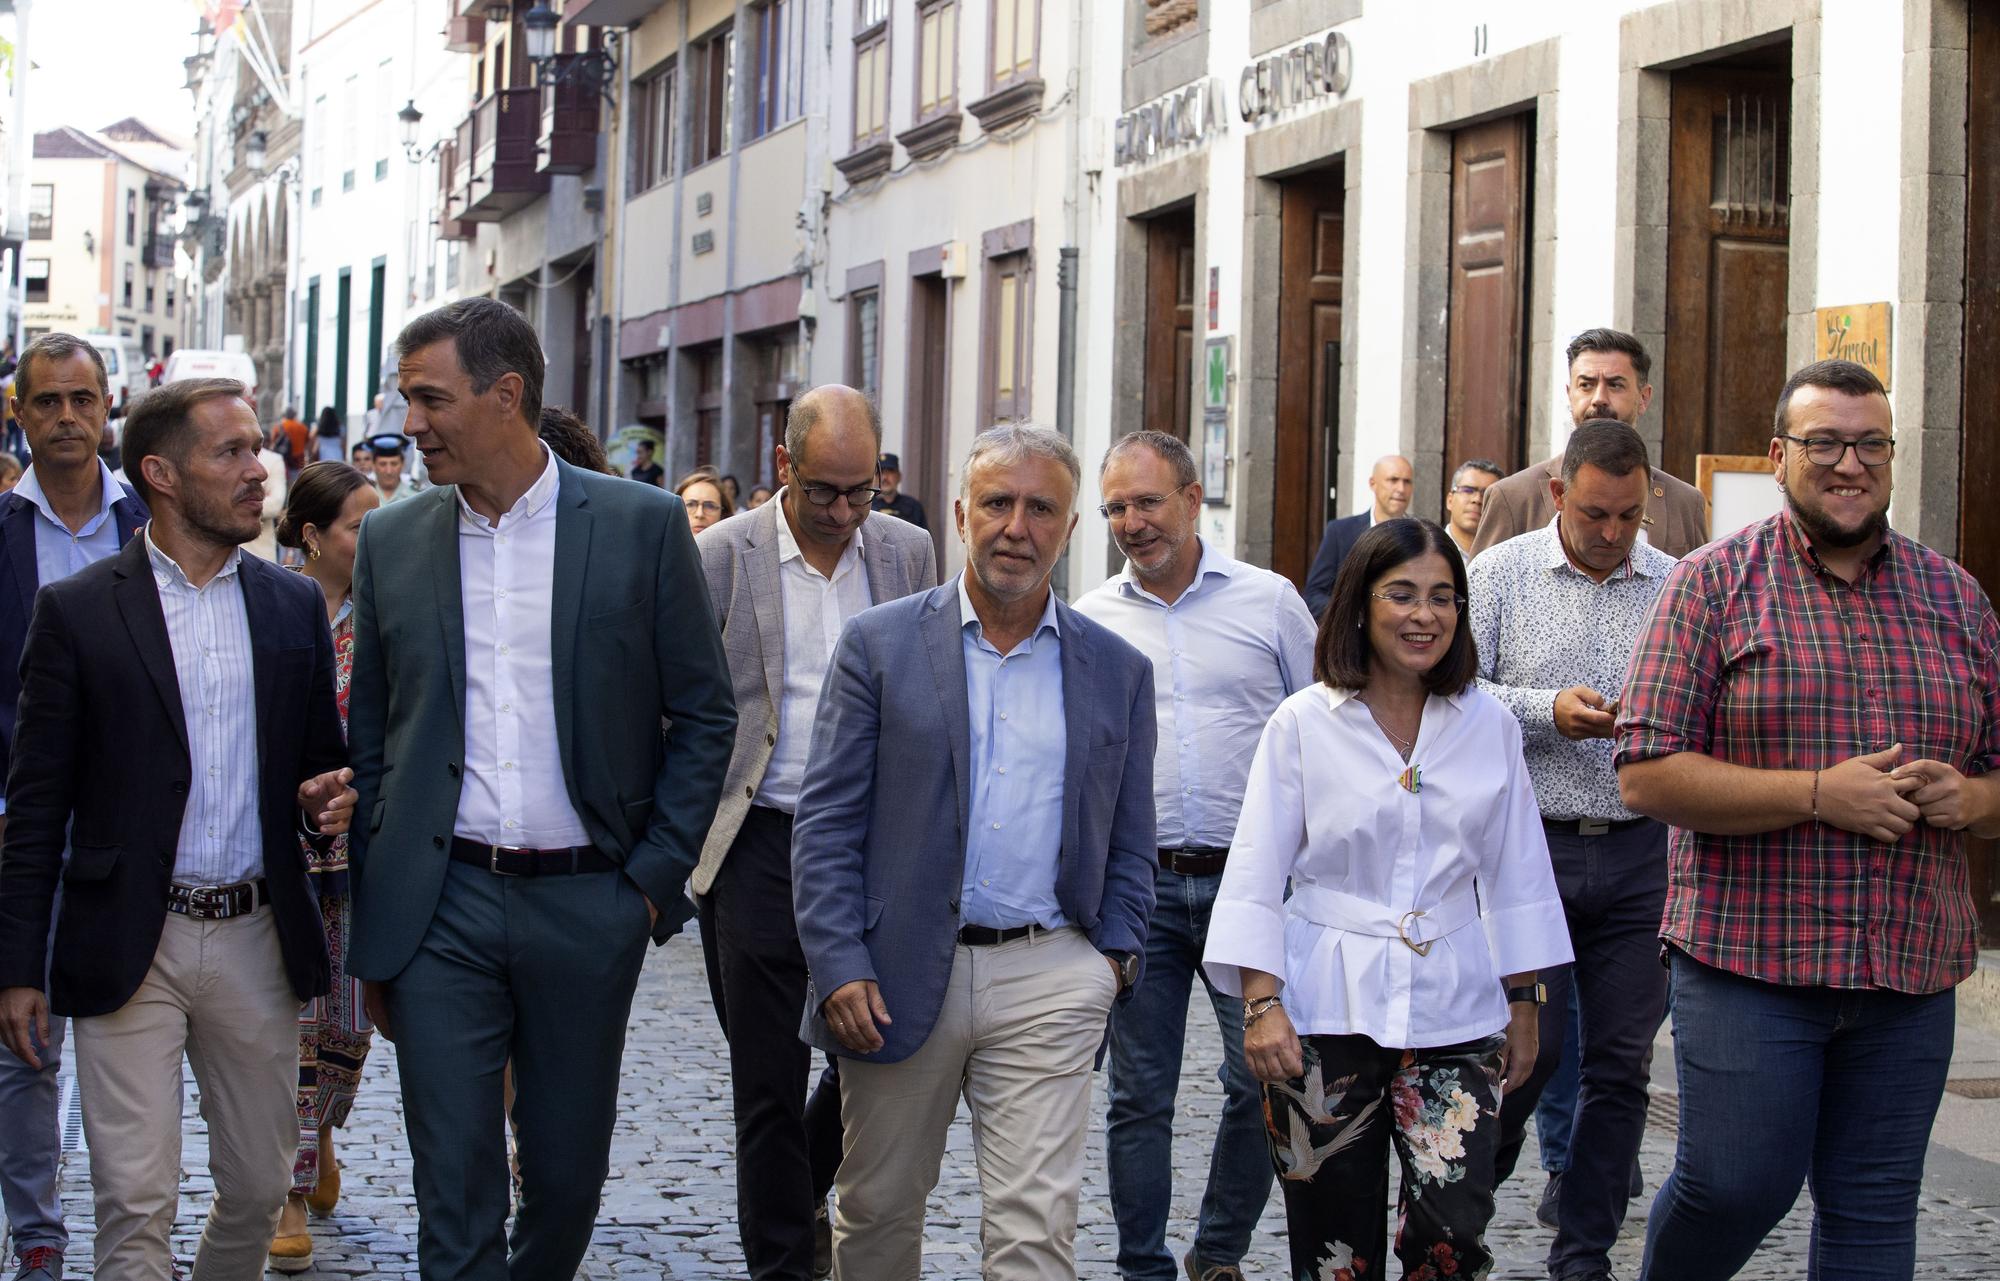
x,y
1237,643
59,552
1020,743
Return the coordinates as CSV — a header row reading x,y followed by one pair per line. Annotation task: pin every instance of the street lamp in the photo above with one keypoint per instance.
x,y
256,151
589,68
541,24
409,118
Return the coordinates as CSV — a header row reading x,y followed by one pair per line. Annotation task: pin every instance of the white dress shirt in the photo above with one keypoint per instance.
x,y
222,836
514,792
1235,644
1542,625
816,607
1324,809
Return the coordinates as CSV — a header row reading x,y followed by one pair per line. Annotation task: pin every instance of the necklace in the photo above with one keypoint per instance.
x,y
1404,746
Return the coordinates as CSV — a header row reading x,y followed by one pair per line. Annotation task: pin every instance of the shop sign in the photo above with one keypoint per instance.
x,y
1182,117
1321,68
1859,333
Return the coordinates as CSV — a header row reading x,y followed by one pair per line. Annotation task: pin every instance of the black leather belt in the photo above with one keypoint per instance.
x,y
1195,860
218,902
508,860
986,936
1592,826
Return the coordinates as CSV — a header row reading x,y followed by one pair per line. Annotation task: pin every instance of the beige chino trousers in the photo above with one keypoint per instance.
x,y
217,992
1017,1037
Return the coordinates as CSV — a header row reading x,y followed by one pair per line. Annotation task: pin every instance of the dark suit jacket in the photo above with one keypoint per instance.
x,y
878,851
103,768
634,641
1339,539
1676,513
20,576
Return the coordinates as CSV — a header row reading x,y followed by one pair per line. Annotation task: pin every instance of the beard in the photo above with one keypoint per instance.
x,y
1824,531
222,522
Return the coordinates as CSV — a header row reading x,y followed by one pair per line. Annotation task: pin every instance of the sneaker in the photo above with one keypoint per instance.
x,y
822,1242
1199,1271
43,1263
1545,1213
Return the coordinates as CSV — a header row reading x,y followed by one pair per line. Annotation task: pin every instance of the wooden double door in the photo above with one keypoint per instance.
x,y
1306,452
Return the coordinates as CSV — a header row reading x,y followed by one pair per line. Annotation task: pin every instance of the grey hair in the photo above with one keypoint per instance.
x,y
806,413
1012,442
1171,450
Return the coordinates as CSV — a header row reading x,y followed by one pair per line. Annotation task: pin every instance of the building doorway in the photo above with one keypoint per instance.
x,y
1978,434
1486,352
1306,453
926,437
1170,288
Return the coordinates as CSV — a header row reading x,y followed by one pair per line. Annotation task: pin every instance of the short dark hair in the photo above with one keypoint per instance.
x,y
1606,444
571,439
161,424
1171,449
1843,376
1611,340
491,340
1486,465
59,346
1341,654
316,496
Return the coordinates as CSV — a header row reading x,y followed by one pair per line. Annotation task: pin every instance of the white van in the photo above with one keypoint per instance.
x,y
124,369
195,363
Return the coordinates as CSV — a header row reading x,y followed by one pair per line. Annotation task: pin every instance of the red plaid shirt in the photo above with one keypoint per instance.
x,y
1757,655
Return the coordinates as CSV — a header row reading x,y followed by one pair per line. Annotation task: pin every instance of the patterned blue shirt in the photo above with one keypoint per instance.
x,y
1020,743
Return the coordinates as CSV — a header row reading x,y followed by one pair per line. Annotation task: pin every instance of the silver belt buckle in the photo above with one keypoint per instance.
x,y
1403,931
493,853
1592,826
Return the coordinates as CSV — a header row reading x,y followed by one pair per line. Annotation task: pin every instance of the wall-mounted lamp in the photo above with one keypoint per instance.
x,y
587,68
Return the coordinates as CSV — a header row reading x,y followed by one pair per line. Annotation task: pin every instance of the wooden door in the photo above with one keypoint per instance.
x,y
1728,256
1979,433
1486,357
1312,226
926,441
1170,275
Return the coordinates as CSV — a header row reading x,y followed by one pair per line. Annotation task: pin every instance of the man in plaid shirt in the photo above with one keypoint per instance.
x,y
1814,707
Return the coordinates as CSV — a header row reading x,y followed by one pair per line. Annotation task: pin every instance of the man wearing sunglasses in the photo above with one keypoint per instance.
x,y
784,578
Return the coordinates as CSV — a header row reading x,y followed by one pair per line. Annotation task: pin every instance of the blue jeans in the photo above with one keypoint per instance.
x,y
1147,1031
1780,1084
31,1146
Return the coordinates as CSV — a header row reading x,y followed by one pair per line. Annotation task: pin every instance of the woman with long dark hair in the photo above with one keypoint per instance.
x,y
322,519
1391,996
329,436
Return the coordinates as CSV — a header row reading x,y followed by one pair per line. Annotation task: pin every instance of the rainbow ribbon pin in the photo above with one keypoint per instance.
x,y
1411,780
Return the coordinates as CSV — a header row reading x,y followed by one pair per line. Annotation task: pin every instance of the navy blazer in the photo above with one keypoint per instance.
x,y
1339,539
878,849
20,578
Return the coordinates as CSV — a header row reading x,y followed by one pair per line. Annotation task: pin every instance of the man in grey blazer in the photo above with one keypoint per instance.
x,y
972,870
521,632
784,578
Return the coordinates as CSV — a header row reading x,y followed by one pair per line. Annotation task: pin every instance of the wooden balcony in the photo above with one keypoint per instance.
x,y
449,225
568,142
496,167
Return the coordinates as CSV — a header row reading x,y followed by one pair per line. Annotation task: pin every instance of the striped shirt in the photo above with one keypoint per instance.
x,y
222,839
1756,654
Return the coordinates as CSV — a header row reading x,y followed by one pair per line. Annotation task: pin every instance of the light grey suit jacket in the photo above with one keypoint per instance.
x,y
740,558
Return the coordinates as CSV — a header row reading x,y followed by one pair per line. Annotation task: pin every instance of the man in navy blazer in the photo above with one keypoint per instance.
x,y
1391,481
65,513
970,914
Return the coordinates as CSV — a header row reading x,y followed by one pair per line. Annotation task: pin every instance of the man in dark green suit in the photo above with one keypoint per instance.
x,y
523,631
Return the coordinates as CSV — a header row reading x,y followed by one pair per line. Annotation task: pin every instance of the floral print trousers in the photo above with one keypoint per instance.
x,y
1331,1131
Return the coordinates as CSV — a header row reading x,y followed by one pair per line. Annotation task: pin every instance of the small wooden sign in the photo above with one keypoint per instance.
x,y
1859,333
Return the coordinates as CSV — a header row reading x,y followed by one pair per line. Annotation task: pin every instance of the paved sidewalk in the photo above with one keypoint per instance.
x,y
669,1208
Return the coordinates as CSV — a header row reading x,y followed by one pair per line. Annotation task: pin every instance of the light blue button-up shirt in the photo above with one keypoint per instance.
x,y
1020,743
1237,643
59,552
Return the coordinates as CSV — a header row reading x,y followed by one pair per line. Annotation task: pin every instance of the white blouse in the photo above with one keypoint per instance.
x,y
1378,870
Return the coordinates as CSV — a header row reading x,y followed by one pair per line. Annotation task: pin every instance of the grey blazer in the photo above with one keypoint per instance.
x,y
632,644
740,558
878,853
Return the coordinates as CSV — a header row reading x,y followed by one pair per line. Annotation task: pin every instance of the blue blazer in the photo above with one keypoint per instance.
x,y
878,849
1339,539
20,578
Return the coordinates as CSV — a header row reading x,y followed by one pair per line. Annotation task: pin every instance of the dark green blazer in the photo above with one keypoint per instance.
x,y
635,649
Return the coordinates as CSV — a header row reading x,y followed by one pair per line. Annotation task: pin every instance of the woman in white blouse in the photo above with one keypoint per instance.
x,y
1392,995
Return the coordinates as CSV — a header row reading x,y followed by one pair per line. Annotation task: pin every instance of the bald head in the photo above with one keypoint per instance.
x,y
829,413
1391,480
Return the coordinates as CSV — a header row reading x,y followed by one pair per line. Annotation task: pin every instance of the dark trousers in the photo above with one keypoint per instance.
x,y
541,969
1781,1084
787,1147
1613,888
1331,1133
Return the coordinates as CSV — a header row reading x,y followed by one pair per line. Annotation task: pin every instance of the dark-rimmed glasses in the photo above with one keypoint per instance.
x,y
823,495
1828,451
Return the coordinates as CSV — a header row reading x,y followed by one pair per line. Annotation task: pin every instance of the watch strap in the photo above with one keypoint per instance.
x,y
1536,992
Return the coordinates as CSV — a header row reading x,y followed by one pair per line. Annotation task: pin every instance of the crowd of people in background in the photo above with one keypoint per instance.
x,y
1443,838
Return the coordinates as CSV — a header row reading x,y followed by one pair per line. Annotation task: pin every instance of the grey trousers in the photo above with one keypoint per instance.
x,y
31,1147
542,970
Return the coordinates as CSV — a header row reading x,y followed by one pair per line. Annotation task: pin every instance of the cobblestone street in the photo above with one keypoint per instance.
x,y
669,1208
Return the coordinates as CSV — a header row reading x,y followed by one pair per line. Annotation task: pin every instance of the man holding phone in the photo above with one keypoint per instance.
x,y
1556,613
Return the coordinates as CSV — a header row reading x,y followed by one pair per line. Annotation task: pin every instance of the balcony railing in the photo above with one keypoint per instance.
x,y
450,203
158,250
496,169
568,142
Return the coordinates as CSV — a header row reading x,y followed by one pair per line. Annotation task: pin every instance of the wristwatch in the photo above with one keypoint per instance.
x,y
1128,969
1536,992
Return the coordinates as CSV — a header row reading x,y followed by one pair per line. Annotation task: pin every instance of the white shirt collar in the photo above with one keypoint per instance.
x,y
788,546
527,507
1213,561
968,617
1336,695
168,572
30,488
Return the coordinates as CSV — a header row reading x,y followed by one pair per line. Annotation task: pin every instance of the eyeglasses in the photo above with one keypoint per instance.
x,y
823,495
1829,451
708,506
1404,599
1146,504
1474,490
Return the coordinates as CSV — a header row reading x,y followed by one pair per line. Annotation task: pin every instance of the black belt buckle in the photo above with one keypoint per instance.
x,y
493,853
